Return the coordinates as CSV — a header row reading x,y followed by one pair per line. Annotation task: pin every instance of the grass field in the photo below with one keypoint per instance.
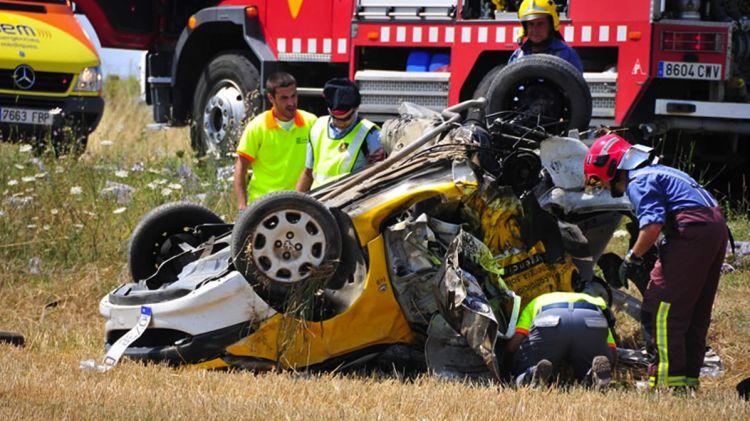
x,y
64,227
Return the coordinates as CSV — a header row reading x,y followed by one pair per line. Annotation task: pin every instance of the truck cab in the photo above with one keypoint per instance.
x,y
50,78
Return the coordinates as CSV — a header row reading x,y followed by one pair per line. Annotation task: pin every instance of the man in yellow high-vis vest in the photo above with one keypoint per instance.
x,y
273,143
342,142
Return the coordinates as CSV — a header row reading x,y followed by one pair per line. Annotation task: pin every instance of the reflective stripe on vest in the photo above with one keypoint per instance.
x,y
334,158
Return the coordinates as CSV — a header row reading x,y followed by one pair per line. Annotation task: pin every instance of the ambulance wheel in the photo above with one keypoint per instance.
x,y
286,238
226,96
161,235
542,90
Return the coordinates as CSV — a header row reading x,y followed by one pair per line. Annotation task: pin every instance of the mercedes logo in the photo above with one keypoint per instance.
x,y
24,77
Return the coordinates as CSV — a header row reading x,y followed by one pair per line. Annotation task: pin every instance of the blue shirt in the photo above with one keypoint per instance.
x,y
556,47
372,144
657,190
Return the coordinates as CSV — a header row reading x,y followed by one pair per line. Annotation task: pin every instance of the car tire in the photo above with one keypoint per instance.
x,y
284,236
482,91
226,96
545,85
157,236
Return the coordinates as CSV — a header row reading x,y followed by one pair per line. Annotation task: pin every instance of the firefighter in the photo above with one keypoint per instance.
x,y
540,25
341,142
273,143
564,327
676,310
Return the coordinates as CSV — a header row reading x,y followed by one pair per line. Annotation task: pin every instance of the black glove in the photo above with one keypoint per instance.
x,y
631,268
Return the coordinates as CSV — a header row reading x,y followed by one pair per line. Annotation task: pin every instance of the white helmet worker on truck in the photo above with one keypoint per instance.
x,y
541,26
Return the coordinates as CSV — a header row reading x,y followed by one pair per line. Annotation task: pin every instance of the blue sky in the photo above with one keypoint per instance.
x,y
115,61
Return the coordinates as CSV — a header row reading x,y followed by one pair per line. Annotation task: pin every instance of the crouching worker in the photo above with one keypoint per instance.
x,y
564,327
342,142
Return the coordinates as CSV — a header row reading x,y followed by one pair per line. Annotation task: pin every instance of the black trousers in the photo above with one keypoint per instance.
x,y
564,335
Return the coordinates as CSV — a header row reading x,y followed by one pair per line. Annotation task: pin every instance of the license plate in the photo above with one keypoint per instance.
x,y
25,116
682,70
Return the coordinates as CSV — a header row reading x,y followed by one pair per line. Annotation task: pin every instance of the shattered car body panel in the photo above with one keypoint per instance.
x,y
429,245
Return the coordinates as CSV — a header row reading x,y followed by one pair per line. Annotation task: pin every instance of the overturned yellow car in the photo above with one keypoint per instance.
x,y
423,259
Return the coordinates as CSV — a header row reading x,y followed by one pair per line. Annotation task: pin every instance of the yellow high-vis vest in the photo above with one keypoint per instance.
x,y
334,158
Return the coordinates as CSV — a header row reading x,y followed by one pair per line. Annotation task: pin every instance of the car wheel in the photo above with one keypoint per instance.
x,y
543,90
283,238
227,93
160,234
482,91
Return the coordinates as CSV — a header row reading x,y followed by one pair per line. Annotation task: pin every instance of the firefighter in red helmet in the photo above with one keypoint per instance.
x,y
676,310
541,28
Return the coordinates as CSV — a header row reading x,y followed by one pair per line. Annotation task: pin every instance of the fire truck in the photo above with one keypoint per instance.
x,y
652,66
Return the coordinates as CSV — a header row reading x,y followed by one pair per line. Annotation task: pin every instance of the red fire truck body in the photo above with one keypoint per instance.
x,y
657,65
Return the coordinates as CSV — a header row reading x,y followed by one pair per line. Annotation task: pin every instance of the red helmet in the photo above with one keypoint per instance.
x,y
604,157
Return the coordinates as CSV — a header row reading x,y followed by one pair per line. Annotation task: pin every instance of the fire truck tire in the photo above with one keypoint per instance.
x,y
542,85
158,236
482,89
226,96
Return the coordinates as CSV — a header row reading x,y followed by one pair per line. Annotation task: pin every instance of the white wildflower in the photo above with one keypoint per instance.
x,y
121,174
31,226
35,266
59,170
139,166
54,211
45,227
28,179
25,148
119,211
76,190
19,166
13,182
40,175
175,186
106,142
78,226
166,191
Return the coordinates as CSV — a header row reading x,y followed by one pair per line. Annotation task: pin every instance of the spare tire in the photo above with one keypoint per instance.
x,y
544,90
158,235
284,238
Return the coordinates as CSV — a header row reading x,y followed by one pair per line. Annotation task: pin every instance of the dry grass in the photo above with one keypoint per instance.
x,y
62,327
57,311
124,130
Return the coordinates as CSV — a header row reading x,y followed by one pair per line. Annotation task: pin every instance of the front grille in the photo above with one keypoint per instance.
x,y
30,102
45,81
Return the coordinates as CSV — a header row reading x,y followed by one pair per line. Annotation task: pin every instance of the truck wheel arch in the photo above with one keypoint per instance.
x,y
195,48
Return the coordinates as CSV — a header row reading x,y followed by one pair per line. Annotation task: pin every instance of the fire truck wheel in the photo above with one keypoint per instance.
x,y
482,89
545,91
285,238
161,233
226,96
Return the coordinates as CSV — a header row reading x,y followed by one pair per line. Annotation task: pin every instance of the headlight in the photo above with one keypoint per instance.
x,y
89,80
